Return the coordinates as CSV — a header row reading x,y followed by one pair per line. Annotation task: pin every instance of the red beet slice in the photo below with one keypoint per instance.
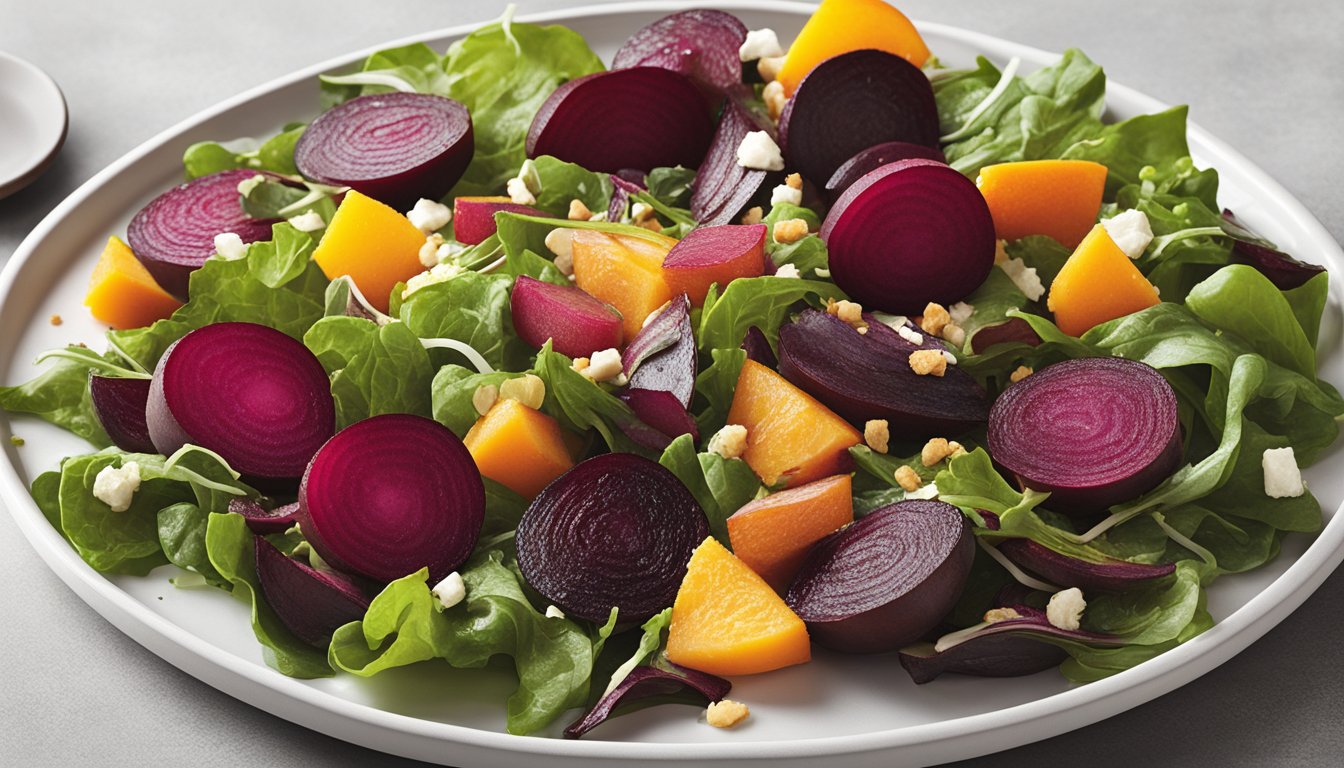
x,y
715,254
311,603
390,495
616,530
1110,576
175,233
851,102
621,190
701,44
1093,432
474,217
1284,271
909,233
662,356
874,157
393,147
758,348
722,188
1014,331
646,682
576,323
642,117
662,411
261,520
248,392
863,377
885,581
119,405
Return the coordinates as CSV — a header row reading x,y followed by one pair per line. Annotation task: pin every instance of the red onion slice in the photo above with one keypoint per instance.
x,y
119,405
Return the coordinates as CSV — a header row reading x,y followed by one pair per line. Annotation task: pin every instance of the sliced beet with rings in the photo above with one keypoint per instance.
x,y
874,157
311,603
119,404
701,43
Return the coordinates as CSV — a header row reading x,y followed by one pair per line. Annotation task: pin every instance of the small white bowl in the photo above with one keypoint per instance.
x,y
33,125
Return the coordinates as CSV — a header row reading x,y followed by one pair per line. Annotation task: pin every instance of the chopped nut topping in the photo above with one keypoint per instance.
x,y
790,231
753,215
561,243
729,442
768,67
794,180
957,449
995,615
936,450
429,252
954,334
484,397
849,311
774,99
726,713
528,389
863,330
908,478
876,434
1020,373
56,320
935,319
580,364
578,211
928,362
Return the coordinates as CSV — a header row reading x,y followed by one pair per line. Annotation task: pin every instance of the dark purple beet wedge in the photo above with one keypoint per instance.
x,y
909,233
1284,271
885,581
119,405
311,603
262,519
701,44
758,348
390,495
576,323
615,531
874,157
868,376
662,356
851,102
248,392
1109,576
723,188
1014,331
642,117
646,682
621,190
175,233
662,411
393,147
1092,432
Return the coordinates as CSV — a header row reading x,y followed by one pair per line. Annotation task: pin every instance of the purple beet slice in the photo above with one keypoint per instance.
x,y
722,188
851,102
662,411
716,254
119,405
758,348
263,520
474,217
1284,271
621,190
1110,576
576,323
662,356
868,376
393,147
647,682
311,603
175,233
701,44
909,233
642,117
885,581
1014,331
250,393
874,157
390,495
615,531
1092,432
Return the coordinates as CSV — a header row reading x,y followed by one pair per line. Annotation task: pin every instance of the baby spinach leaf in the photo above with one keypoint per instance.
x,y
374,369
471,307
451,395
60,395
1240,300
764,302
415,67
721,486
562,182
275,154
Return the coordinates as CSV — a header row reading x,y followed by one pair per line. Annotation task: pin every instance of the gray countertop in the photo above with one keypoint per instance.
x,y
74,691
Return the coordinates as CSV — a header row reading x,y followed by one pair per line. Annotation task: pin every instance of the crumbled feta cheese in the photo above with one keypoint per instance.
x,y
246,186
307,222
451,591
936,450
448,250
768,68
519,193
788,270
603,365
910,334
230,246
789,231
759,44
429,252
1131,231
553,612
935,318
1065,609
561,243
115,486
929,491
876,434
961,312
729,442
440,273
1020,373
726,713
484,398
908,478
1024,277
954,334
527,389
429,216
1283,479
783,193
928,362
995,615
760,152
753,215
774,98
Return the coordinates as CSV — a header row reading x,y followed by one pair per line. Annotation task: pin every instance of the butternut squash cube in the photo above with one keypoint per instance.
x,y
122,293
373,244
625,271
518,447
1098,283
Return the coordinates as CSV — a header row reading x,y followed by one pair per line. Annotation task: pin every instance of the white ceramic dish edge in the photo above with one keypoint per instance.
x,y
48,96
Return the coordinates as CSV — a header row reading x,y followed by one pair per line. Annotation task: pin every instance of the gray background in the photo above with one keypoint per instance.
x,y
1264,76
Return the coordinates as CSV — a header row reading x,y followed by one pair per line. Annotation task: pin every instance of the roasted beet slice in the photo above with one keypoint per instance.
x,y
248,392
390,495
646,682
662,356
1284,271
909,233
851,102
885,581
1109,576
262,519
621,190
701,43
576,323
393,147
723,188
474,217
868,376
1092,432
615,531
642,117
175,233
1014,331
716,255
874,157
311,603
119,405
662,411
758,348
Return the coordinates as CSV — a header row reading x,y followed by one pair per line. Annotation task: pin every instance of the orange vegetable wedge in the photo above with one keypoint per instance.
x,y
1098,283
519,447
727,621
790,436
373,244
841,26
772,535
1059,198
625,271
121,291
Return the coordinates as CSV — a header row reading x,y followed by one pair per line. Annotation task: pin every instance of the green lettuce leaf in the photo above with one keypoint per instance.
x,y
374,369
763,302
274,154
415,67
721,486
562,182
472,308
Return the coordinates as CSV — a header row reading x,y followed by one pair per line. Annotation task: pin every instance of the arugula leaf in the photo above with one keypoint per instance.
x,y
374,369
760,301
275,154
721,486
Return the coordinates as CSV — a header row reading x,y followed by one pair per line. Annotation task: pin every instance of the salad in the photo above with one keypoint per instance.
x,y
652,375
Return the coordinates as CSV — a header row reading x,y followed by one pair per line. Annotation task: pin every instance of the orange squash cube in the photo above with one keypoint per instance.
x,y
518,447
841,26
373,244
121,291
1059,198
773,535
1098,283
625,271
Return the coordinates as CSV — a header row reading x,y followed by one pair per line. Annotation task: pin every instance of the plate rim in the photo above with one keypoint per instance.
x,y
948,739
40,162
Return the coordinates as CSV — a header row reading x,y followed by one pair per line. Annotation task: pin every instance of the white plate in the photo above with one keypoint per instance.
x,y
849,710
33,122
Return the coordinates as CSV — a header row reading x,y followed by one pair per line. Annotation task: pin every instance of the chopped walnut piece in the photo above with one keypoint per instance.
x,y
753,215
580,364
877,434
995,615
774,98
726,713
935,451
528,389
928,362
56,320
790,231
768,67
908,478
934,319
1020,373
954,334
578,211
794,180
484,397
